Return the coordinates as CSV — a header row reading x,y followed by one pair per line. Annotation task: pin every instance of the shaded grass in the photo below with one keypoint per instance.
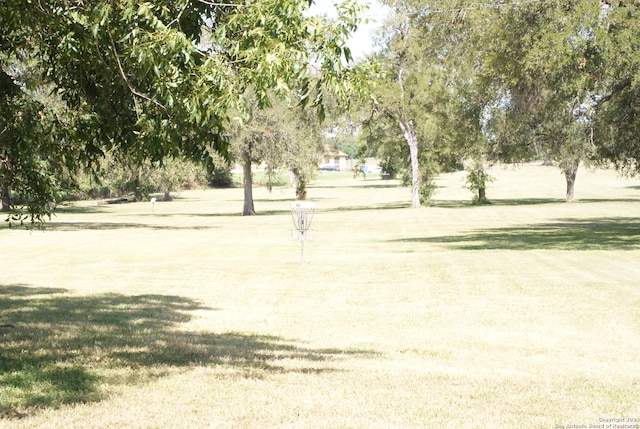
x,y
62,349
458,204
107,226
622,233
386,206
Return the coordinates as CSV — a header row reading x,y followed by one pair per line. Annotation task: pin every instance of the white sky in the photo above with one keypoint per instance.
x,y
361,43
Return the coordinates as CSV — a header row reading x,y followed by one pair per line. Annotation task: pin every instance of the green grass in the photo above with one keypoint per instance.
x,y
521,313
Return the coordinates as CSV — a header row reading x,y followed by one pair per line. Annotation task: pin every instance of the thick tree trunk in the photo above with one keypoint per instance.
x,y
482,196
247,209
412,140
570,175
6,198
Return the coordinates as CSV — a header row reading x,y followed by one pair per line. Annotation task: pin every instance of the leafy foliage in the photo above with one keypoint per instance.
x,y
116,176
477,179
552,80
156,80
28,177
279,136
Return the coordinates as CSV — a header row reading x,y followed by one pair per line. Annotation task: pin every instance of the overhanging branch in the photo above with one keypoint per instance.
x,y
131,88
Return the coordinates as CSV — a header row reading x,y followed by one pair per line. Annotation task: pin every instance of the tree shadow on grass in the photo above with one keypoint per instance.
x,y
370,207
60,349
455,204
359,183
109,226
621,233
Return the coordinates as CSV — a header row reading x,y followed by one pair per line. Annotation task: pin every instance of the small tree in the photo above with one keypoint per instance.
x,y
477,179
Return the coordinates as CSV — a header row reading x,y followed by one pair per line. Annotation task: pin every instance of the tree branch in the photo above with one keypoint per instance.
x,y
212,3
132,89
616,89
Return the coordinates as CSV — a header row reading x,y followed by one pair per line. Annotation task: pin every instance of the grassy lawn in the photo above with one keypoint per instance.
x,y
524,313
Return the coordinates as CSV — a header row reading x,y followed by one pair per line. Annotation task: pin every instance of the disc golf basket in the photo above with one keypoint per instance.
x,y
302,215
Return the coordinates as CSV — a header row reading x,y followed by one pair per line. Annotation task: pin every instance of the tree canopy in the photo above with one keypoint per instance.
x,y
552,79
497,81
278,136
154,79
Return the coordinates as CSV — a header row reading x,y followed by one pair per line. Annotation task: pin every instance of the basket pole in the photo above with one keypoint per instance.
x,y
302,215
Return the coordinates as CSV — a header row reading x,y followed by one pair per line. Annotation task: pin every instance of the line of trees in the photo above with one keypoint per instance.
x,y
506,81
455,81
148,81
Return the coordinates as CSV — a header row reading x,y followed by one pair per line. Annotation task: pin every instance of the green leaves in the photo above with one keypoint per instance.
x,y
547,73
158,79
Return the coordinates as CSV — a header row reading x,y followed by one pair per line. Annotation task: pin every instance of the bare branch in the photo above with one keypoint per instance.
x,y
177,19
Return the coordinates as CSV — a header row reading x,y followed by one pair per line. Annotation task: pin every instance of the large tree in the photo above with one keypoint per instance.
x,y
395,100
156,79
400,104
411,100
617,119
546,80
553,79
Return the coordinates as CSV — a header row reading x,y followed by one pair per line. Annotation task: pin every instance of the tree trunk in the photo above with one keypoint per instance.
x,y
301,185
408,127
482,185
482,196
5,189
412,140
6,198
570,175
247,209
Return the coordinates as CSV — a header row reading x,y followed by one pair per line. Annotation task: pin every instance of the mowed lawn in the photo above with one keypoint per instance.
x,y
524,313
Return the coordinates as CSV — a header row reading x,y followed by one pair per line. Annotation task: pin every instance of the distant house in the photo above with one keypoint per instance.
x,y
333,157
